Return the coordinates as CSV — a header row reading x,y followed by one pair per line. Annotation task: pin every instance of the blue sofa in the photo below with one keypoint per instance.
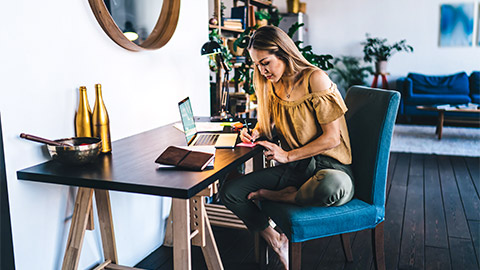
x,y
475,87
418,89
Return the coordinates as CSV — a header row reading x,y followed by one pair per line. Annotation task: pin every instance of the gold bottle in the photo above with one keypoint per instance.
x,y
83,116
100,121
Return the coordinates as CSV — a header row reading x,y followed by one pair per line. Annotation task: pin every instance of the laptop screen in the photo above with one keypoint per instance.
x,y
186,114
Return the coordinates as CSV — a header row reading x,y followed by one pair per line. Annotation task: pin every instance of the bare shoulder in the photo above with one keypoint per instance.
x,y
319,81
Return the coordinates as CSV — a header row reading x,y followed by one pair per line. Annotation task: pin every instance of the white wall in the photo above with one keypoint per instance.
x,y
50,48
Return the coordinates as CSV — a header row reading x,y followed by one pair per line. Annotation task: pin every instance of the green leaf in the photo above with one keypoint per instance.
x,y
376,49
294,28
262,14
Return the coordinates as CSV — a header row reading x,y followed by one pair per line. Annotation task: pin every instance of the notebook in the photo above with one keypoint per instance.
x,y
194,138
185,158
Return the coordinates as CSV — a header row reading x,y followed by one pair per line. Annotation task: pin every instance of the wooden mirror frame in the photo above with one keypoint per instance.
x,y
161,34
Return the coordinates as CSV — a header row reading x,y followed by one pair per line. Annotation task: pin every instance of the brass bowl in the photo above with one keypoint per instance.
x,y
84,150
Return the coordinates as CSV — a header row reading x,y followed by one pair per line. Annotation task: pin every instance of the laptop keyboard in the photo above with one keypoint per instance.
x,y
206,139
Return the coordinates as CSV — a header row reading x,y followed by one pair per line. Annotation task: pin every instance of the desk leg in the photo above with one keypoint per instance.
x,y
210,251
83,205
181,235
168,241
104,209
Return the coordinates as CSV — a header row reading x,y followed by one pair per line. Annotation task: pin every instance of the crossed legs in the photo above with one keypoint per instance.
x,y
327,187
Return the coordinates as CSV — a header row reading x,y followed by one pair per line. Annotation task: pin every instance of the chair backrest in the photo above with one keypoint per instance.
x,y
370,119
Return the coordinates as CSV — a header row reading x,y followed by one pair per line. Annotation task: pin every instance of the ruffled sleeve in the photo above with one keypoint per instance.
x,y
328,105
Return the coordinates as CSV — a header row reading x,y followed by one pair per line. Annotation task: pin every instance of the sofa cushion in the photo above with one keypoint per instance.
x,y
447,85
475,83
437,99
475,98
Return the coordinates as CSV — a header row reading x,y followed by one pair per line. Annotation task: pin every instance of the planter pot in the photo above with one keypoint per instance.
x,y
262,22
238,52
302,8
381,67
292,6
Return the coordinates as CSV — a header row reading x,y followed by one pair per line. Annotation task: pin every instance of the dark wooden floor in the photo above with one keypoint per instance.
x,y
432,222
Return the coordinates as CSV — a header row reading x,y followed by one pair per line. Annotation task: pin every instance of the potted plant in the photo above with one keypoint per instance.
x,y
262,17
349,71
275,16
376,49
320,60
226,54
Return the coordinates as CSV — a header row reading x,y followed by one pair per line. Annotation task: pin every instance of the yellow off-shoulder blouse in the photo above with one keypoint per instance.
x,y
298,122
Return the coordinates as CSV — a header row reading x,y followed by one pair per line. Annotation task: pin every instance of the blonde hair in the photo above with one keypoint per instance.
x,y
275,41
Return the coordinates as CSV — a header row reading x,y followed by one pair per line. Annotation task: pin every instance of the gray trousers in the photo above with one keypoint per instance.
x,y
320,180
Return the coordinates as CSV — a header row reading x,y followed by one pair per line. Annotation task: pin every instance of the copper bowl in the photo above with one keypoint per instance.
x,y
84,150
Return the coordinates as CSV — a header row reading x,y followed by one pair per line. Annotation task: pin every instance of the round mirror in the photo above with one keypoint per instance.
x,y
137,24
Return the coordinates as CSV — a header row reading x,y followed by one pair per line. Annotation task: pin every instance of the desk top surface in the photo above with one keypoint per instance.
x,y
131,167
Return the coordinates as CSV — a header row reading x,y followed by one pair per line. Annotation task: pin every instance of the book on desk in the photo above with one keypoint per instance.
x,y
189,158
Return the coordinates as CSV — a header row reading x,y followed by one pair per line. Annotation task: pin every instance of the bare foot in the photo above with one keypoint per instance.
x,y
285,195
279,244
282,251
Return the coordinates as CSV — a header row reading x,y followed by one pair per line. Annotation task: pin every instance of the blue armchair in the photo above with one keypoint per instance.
x,y
370,119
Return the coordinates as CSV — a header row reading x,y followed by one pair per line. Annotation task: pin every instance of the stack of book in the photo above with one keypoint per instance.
x,y
446,107
240,59
469,106
233,23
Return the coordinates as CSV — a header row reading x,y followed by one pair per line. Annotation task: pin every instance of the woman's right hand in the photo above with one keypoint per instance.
x,y
249,138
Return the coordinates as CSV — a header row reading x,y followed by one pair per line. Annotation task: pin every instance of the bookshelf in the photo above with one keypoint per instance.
x,y
257,3
244,10
226,29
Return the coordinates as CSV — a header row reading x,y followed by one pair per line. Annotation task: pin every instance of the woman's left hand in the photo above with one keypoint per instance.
x,y
274,152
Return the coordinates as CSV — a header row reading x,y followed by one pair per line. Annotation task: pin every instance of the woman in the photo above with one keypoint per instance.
x,y
306,110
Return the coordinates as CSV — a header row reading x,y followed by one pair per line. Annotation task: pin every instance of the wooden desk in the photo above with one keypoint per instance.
x,y
131,168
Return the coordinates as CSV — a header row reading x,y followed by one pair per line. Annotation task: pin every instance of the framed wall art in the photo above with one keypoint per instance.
x,y
456,24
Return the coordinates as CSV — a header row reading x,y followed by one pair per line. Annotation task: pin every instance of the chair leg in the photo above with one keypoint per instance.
x,y
347,248
261,251
295,256
378,247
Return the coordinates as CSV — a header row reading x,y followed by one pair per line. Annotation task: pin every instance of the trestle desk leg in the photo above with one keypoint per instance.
x,y
210,250
104,209
83,205
181,234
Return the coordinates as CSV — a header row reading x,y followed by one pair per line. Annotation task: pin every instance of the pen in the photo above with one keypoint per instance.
x,y
248,129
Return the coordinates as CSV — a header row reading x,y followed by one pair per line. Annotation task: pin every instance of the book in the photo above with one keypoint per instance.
x,y
233,23
446,107
240,13
185,158
469,106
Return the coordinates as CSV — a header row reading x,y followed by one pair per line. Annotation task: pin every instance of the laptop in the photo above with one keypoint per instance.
x,y
194,138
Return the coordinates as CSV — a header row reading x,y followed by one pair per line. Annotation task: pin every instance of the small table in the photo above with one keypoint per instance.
x,y
441,116
384,80
131,168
